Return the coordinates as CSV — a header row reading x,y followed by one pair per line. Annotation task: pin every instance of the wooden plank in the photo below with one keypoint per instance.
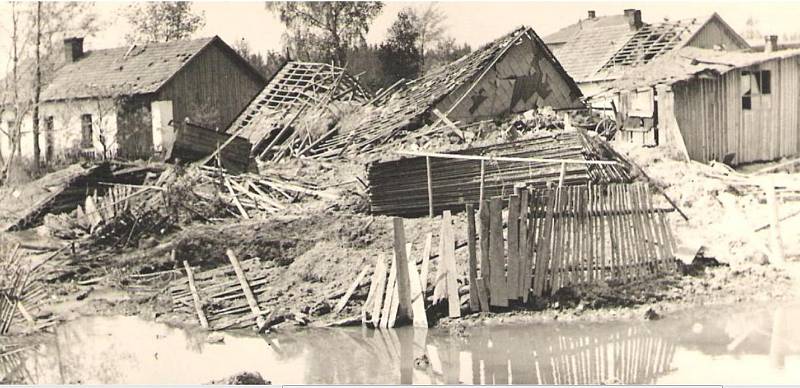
x,y
419,317
430,186
388,300
198,306
512,278
346,297
426,259
483,294
377,288
449,258
483,215
474,303
251,299
524,254
497,284
403,290
543,247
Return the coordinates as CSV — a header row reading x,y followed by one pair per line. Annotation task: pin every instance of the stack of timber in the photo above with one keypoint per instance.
x,y
401,187
12,362
58,192
568,236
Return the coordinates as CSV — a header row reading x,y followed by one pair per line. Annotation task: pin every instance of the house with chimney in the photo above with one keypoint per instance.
x,y
131,102
598,49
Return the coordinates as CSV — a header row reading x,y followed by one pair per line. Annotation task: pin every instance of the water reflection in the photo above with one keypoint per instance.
x,y
675,350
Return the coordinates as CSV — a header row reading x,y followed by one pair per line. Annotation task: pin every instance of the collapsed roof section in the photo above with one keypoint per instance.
x,y
295,86
513,74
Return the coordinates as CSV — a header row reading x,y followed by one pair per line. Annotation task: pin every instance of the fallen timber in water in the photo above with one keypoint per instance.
x,y
556,238
411,186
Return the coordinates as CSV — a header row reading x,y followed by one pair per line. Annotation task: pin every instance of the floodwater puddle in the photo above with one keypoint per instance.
x,y
733,346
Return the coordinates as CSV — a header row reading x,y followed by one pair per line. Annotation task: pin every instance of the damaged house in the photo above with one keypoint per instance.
x,y
734,107
132,102
298,88
595,50
513,74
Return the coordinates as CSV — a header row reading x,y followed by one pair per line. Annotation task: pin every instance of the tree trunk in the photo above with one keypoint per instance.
x,y
37,88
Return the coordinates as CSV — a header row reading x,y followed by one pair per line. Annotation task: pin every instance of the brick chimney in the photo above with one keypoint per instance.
x,y
73,49
592,14
634,17
770,43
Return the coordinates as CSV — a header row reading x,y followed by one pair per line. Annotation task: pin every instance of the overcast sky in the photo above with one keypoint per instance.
x,y
472,22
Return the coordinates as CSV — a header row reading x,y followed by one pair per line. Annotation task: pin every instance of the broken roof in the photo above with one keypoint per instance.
x,y
690,62
598,49
131,70
418,97
296,84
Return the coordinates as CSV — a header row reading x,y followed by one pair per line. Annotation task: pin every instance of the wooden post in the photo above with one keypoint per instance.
x,y
483,184
426,263
248,294
430,186
376,289
497,284
512,279
474,303
562,174
776,242
403,284
449,259
417,295
198,306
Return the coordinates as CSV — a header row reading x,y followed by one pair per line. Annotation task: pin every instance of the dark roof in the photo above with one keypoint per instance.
x,y
598,49
132,70
690,62
417,98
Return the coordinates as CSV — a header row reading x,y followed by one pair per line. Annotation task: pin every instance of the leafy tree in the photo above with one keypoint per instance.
x,y
163,21
399,54
266,64
330,27
364,62
430,26
446,51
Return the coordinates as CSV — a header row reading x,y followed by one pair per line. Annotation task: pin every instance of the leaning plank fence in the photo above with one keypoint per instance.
x,y
566,236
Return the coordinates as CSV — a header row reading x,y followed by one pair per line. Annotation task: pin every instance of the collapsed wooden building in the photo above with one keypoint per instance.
x,y
513,74
297,89
734,107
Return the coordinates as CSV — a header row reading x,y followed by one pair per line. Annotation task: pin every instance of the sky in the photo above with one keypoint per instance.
x,y
473,22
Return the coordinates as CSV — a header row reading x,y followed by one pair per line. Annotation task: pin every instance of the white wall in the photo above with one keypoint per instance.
x,y
67,127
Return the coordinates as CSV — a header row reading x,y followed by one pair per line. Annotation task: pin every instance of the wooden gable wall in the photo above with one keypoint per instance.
x,y
212,89
522,79
717,33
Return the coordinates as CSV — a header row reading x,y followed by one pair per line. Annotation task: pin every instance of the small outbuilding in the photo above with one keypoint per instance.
x,y
735,107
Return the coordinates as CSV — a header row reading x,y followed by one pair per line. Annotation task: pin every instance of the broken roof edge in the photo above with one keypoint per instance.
x,y
689,63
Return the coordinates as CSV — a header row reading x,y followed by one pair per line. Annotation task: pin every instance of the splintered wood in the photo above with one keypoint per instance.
x,y
399,295
21,294
565,237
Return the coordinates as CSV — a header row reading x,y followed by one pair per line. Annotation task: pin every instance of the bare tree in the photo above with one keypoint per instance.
x,y
430,28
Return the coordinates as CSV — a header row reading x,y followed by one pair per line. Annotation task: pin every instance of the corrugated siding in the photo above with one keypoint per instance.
x,y
711,119
213,81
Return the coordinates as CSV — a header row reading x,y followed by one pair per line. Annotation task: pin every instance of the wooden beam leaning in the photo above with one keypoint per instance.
x,y
251,299
198,306
403,291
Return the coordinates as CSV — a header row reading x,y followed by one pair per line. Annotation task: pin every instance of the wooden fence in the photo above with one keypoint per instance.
x,y
563,237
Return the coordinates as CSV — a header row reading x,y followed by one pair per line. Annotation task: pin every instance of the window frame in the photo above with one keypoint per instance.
x,y
87,136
